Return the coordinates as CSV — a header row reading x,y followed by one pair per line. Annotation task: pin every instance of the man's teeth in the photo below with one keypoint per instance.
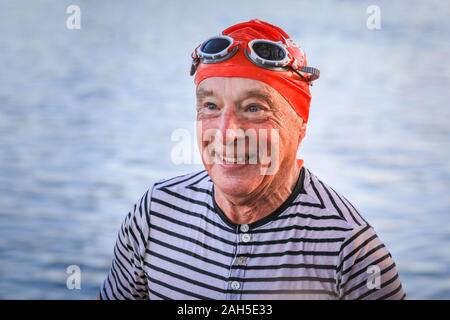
x,y
252,159
233,159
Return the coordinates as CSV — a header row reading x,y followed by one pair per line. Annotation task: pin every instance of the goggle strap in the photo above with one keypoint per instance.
x,y
314,73
194,66
194,54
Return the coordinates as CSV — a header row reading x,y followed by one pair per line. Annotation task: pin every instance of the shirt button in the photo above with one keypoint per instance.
x,y
244,227
235,285
245,237
241,261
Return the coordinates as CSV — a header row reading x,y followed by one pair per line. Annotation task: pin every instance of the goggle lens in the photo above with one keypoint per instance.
x,y
214,46
269,51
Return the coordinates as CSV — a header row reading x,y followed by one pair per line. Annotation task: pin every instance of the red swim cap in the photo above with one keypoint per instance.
x,y
286,82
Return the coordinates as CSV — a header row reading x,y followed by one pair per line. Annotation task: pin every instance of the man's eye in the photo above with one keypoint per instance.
x,y
210,106
254,108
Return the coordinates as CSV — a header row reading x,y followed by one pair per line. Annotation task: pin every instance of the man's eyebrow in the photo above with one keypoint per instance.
x,y
263,95
254,93
203,93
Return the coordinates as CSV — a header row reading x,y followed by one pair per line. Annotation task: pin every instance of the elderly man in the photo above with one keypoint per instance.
x,y
256,224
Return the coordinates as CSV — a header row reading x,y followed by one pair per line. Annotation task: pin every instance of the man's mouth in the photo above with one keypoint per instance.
x,y
243,159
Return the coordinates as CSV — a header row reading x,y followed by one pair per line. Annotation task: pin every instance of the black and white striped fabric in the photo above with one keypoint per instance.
x,y
176,243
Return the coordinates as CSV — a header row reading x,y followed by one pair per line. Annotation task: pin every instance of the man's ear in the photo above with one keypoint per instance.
x,y
302,132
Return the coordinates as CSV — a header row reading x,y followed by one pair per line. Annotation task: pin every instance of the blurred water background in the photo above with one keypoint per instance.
x,y
86,118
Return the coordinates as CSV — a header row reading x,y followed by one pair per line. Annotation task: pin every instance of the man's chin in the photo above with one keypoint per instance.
x,y
236,181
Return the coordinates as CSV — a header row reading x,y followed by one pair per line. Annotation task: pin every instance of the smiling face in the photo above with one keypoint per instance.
x,y
247,133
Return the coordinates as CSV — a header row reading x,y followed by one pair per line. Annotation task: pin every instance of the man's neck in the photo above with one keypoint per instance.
x,y
245,210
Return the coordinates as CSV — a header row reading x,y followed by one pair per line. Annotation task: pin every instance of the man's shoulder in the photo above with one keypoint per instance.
x,y
183,180
184,189
323,200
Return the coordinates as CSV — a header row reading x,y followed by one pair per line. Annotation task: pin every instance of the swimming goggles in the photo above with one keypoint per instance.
x,y
263,53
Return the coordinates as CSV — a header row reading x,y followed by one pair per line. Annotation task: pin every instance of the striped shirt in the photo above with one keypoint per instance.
x,y
176,243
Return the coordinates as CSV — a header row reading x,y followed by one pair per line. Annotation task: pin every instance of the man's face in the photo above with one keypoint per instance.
x,y
247,133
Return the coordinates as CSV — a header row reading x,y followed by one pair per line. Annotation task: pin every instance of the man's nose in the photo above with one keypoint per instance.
x,y
230,125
